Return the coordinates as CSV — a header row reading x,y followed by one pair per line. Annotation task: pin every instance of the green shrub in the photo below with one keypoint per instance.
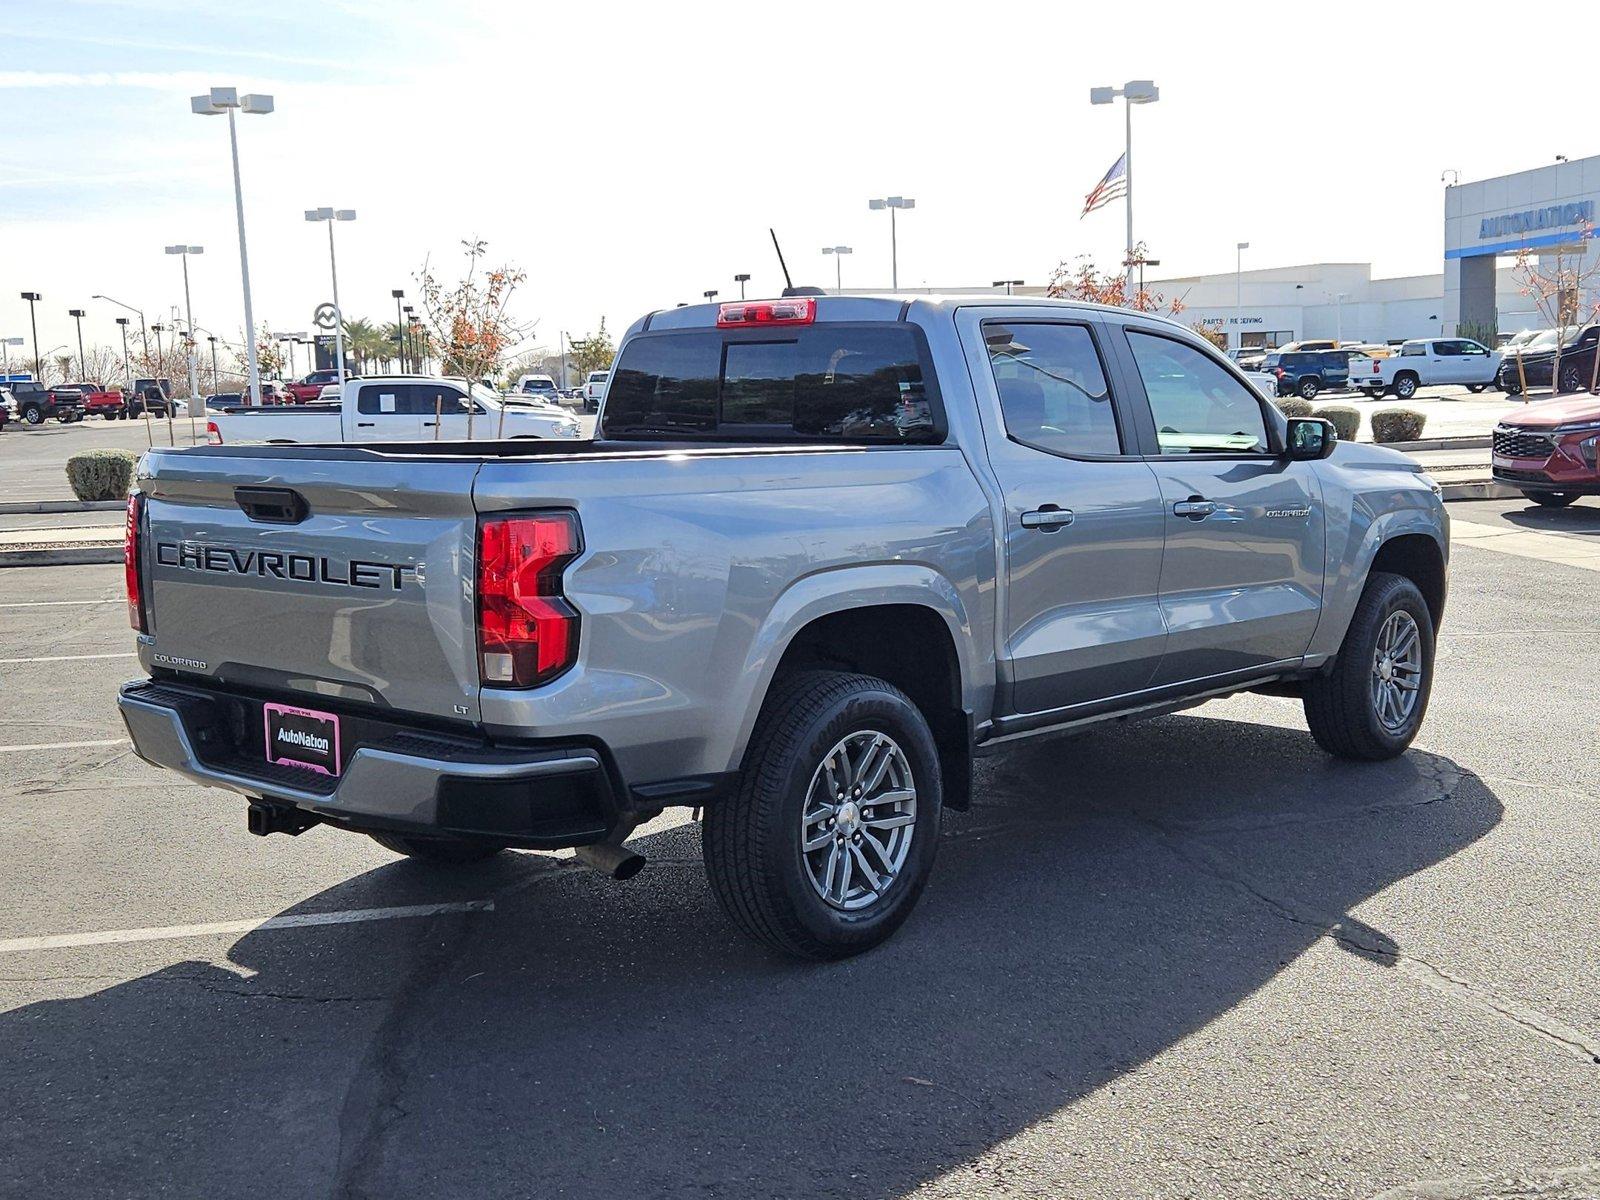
x,y
101,474
1293,406
1345,419
1397,425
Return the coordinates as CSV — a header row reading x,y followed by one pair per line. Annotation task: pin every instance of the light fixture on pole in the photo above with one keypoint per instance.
x,y
1238,287
188,313
212,338
399,337
33,298
838,253
1008,284
894,204
144,334
741,280
5,350
77,314
1135,91
711,295
330,215
215,103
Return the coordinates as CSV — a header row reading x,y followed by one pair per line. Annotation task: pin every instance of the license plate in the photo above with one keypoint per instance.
x,y
302,737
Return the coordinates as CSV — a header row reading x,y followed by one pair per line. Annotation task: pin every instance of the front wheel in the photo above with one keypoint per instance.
x,y
1552,499
830,838
33,416
449,851
1371,704
1475,388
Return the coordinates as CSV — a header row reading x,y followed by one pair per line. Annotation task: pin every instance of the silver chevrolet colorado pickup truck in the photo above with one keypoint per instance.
x,y
821,553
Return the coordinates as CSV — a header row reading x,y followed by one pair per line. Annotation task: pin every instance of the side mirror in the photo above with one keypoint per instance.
x,y
1310,438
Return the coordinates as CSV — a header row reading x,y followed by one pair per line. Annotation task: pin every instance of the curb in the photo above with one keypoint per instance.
x,y
10,507
1478,489
1475,442
60,556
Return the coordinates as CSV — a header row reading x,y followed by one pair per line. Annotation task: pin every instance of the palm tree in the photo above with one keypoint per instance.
x,y
358,338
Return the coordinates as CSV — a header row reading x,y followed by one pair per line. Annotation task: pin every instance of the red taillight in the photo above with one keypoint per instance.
x,y
527,632
1278,371
130,562
213,434
739,314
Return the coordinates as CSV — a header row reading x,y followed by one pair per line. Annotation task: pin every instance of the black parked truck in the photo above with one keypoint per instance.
x,y
37,403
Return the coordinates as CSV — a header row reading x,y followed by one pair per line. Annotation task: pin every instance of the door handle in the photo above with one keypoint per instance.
x,y
429,424
365,424
1195,508
1047,517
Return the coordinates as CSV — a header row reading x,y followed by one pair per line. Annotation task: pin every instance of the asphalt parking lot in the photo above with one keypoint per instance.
x,y
1191,957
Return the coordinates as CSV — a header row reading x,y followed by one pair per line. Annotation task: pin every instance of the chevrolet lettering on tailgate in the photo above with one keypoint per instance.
x,y
275,564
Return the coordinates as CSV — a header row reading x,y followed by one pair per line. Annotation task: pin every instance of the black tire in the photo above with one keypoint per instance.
x,y
1339,704
453,851
1511,388
1475,388
1571,380
1308,389
1405,385
752,841
32,415
1552,499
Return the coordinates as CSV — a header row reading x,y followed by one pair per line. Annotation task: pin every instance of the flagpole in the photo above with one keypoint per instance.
x,y
1127,165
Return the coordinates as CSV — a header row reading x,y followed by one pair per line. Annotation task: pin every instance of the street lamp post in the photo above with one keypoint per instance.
x,y
838,253
412,349
1008,284
33,298
144,334
399,336
127,367
894,204
77,314
188,313
741,280
330,215
711,295
1135,91
217,102
212,338
161,362
1238,287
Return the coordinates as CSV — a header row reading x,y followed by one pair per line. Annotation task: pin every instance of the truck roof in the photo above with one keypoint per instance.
x,y
885,306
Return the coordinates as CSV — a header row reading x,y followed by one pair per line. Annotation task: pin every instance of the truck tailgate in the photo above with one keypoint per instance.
x,y
342,579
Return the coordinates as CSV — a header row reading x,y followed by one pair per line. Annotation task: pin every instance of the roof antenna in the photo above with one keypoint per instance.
x,y
789,288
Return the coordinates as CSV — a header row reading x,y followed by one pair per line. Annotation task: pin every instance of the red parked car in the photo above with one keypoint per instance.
x,y
1548,452
309,389
101,401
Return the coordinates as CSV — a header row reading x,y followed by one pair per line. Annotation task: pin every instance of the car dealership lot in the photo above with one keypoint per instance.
x,y
1267,974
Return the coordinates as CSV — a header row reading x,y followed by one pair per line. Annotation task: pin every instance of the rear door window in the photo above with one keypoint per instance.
x,y
835,382
1052,388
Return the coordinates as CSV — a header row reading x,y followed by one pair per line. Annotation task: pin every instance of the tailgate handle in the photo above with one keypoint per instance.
x,y
275,506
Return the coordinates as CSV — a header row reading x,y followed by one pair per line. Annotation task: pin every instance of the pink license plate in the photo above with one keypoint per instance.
x,y
302,737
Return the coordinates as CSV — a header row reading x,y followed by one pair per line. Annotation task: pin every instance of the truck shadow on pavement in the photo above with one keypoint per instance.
x,y
1107,896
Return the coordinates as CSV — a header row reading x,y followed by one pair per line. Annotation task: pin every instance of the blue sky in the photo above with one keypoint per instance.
x,y
628,156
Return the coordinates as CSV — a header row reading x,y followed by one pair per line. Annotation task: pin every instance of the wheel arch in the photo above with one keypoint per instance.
x,y
1418,558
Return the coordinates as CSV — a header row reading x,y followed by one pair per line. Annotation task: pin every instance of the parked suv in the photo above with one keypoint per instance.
x,y
37,404
1538,364
1549,451
822,552
1304,373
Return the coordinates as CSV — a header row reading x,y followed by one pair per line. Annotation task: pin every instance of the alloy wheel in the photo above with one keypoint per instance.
x,y
1397,671
858,820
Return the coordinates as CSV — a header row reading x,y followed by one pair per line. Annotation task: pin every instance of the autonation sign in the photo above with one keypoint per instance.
x,y
1555,216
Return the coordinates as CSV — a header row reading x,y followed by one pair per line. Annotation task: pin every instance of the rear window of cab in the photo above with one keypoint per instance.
x,y
852,382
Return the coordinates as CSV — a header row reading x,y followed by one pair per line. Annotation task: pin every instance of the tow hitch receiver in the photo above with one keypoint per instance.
x,y
263,818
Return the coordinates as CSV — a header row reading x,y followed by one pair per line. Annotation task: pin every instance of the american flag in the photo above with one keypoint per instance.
x,y
1108,189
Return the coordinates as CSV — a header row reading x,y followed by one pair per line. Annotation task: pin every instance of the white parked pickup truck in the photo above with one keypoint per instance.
x,y
394,408
1425,362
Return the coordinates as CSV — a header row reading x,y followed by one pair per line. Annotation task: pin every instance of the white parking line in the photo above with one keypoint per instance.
x,y
64,745
8,662
57,603
112,937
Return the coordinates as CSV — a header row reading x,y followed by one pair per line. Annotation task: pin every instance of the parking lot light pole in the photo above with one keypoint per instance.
x,y
1135,91
894,204
330,215
215,103
741,280
161,356
212,338
188,312
144,334
1238,286
33,298
399,338
711,295
127,367
838,253
77,314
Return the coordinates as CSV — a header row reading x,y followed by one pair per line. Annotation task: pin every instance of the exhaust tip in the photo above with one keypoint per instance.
x,y
610,859
630,866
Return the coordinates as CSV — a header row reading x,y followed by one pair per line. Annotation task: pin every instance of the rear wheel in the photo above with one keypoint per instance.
x,y
1571,379
826,846
1308,389
1405,385
1475,388
1552,499
446,850
1511,388
1370,705
33,415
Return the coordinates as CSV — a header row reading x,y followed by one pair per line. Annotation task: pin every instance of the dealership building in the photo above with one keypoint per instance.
x,y
1547,210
